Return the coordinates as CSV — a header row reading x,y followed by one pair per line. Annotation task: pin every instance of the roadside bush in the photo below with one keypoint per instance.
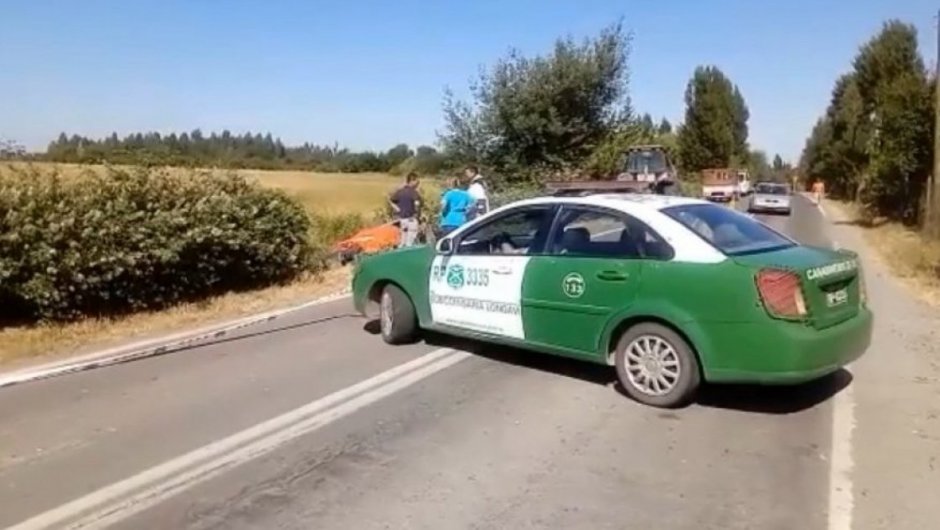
x,y
137,239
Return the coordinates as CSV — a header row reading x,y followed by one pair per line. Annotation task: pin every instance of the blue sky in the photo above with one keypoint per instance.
x,y
370,73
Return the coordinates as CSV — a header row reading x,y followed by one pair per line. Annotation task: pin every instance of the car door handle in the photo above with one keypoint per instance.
x,y
502,270
612,276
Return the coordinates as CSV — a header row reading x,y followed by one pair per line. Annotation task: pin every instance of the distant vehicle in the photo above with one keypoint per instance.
x,y
770,197
651,163
630,281
645,169
719,184
744,183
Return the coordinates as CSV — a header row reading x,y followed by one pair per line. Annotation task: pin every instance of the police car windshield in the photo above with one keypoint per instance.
x,y
731,232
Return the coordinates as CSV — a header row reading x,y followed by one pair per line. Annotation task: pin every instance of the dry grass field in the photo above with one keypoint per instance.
x,y
915,261
323,194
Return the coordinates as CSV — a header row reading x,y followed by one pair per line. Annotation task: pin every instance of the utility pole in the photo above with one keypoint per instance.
x,y
932,204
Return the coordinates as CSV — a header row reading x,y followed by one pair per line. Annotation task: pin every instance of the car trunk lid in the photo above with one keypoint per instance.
x,y
829,279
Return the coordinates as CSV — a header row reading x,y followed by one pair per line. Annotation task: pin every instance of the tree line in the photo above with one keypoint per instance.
x,y
233,151
874,143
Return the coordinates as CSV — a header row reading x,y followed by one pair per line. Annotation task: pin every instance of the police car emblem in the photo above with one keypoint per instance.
x,y
455,276
573,285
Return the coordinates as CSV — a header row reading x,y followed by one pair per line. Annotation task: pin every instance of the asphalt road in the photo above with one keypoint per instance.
x,y
496,439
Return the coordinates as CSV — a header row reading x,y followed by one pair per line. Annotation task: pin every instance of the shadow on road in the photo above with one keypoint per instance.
x,y
772,399
585,371
760,399
769,213
372,327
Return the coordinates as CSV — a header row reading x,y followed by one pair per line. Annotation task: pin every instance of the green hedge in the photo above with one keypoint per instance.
x,y
101,244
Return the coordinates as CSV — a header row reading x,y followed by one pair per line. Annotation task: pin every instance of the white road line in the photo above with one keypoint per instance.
x,y
123,499
841,498
841,495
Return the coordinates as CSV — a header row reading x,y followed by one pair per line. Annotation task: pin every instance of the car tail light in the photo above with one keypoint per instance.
x,y
781,293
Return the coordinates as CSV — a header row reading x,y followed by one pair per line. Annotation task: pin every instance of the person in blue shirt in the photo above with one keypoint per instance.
x,y
455,205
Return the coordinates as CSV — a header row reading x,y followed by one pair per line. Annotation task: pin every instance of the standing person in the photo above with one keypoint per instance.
x,y
455,206
818,190
478,191
406,202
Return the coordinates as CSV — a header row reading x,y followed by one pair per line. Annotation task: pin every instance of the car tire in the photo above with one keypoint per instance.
x,y
656,366
398,321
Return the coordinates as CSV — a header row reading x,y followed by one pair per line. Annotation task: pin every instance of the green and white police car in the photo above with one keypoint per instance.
x,y
671,291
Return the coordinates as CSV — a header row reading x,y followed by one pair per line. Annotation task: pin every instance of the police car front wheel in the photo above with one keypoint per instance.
x,y
656,366
397,319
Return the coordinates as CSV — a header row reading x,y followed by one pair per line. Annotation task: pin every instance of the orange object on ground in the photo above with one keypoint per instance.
x,y
371,239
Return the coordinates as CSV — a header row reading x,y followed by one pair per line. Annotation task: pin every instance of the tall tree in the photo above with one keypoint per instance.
x,y
665,127
532,114
778,163
715,130
741,116
874,143
896,94
646,124
398,154
757,165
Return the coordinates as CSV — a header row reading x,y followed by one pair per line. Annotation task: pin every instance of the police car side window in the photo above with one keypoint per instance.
x,y
594,233
516,233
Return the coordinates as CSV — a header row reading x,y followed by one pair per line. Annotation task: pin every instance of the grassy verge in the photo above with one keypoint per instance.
x,y
22,346
913,259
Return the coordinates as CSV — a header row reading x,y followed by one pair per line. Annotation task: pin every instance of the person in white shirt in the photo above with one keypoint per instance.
x,y
477,190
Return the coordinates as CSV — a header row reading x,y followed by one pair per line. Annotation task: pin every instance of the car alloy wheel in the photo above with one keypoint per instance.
x,y
652,365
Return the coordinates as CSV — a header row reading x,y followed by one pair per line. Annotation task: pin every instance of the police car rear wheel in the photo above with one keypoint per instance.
x,y
397,319
656,366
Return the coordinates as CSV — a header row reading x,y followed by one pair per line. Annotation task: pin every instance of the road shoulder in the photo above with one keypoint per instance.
x,y
143,336
896,449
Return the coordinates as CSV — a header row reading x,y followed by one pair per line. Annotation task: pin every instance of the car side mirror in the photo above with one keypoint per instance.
x,y
445,246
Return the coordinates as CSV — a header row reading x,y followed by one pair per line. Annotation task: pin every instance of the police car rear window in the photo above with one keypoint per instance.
x,y
731,232
771,189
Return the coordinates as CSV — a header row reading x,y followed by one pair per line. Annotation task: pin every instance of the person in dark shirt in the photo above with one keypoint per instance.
x,y
406,203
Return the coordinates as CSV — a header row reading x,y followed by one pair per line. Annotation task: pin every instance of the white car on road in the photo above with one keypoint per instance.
x,y
770,197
